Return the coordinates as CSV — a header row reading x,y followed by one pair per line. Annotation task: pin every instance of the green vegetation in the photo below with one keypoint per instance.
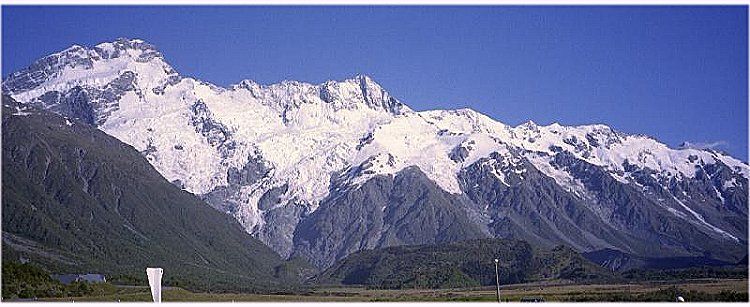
x,y
661,295
29,281
734,272
295,269
460,265
469,264
704,291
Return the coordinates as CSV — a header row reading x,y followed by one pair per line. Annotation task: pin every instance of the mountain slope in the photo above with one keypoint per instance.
x,y
405,209
460,264
619,261
76,199
532,207
280,159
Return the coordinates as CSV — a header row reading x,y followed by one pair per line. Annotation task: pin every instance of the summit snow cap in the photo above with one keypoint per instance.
x,y
139,49
350,94
361,88
79,66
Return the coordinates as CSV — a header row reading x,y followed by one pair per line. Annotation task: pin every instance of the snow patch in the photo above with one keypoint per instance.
x,y
561,176
703,221
729,184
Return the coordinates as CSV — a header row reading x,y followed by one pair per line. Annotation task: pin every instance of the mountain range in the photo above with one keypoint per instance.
x,y
323,171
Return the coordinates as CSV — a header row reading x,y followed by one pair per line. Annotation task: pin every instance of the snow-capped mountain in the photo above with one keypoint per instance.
x,y
321,171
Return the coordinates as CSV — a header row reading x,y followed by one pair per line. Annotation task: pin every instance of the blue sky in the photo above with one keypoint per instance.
x,y
675,73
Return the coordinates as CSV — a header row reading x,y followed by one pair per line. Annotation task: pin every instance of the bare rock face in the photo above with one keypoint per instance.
x,y
385,211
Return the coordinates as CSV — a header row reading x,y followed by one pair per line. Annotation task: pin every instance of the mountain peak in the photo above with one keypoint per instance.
x,y
361,88
364,79
358,79
136,48
107,50
83,65
245,84
529,125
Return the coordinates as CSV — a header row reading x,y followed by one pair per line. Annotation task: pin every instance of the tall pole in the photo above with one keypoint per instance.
x,y
497,279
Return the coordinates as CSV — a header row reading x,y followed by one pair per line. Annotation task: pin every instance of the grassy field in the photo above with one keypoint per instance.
x,y
692,290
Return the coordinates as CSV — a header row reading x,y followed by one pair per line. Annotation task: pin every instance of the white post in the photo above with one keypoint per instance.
x,y
154,280
497,279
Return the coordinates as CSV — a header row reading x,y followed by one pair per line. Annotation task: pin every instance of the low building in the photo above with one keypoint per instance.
x,y
70,278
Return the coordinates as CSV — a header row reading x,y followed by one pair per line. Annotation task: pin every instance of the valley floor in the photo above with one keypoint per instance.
x,y
691,290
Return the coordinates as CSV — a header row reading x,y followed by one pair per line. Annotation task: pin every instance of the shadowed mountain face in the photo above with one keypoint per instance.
x,y
635,218
322,171
78,200
385,211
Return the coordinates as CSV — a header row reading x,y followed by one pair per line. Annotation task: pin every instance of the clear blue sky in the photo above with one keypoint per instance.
x,y
675,73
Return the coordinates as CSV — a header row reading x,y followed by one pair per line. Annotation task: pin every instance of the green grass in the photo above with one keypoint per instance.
x,y
705,290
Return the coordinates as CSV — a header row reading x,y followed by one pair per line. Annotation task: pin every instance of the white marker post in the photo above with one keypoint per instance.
x,y
497,279
154,280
